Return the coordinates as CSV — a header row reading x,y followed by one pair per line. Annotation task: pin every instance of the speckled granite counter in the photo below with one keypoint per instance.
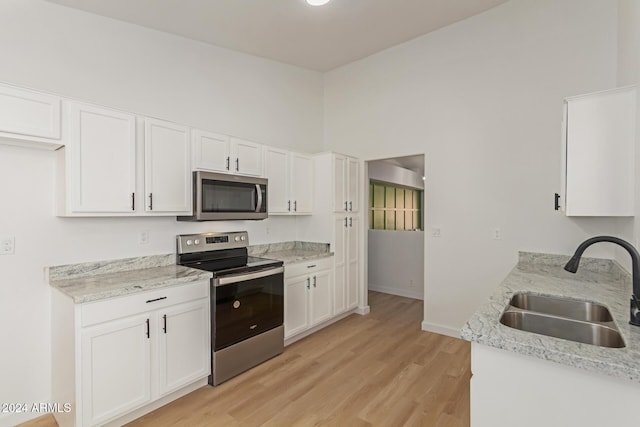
x,y
107,279
601,281
291,252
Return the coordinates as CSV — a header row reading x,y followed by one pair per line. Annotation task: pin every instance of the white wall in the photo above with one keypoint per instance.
x,y
75,54
628,74
483,99
396,262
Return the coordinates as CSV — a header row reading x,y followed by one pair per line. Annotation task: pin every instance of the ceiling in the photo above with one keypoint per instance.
x,y
290,31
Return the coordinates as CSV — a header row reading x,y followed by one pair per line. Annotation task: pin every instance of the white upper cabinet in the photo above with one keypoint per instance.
x,y
114,164
220,153
346,172
290,178
276,170
167,168
211,151
599,154
246,157
29,116
100,160
302,183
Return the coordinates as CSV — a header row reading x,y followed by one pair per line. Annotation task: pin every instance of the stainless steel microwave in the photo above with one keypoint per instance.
x,y
218,196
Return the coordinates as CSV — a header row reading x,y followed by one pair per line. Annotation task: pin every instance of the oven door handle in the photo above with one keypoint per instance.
x,y
259,197
235,278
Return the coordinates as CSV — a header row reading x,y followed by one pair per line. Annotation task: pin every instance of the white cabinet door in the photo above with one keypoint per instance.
x,y
600,153
167,167
296,305
352,262
211,151
321,304
340,264
116,368
301,183
25,113
102,159
276,170
353,181
247,157
183,350
339,183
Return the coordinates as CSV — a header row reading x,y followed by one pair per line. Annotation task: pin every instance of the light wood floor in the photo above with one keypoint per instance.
x,y
374,370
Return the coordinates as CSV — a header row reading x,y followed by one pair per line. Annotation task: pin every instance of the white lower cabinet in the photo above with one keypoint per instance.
x,y
307,295
131,351
116,368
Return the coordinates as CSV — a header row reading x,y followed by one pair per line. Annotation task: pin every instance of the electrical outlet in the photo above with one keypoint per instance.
x,y
7,245
436,232
496,234
143,238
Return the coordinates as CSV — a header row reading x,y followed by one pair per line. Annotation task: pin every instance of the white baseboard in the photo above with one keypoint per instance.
x,y
363,310
441,329
396,291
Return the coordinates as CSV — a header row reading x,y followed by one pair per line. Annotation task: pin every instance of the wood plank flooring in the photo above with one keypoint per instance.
x,y
374,370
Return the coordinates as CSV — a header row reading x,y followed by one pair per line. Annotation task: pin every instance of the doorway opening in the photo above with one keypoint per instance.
x,y
395,236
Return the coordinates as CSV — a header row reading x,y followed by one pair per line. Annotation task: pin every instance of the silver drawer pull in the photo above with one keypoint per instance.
x,y
311,266
157,299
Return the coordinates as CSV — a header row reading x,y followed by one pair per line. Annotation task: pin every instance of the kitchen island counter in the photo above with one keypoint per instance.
x,y
597,280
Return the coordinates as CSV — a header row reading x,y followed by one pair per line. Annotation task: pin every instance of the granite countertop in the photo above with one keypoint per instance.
x,y
601,281
291,252
107,279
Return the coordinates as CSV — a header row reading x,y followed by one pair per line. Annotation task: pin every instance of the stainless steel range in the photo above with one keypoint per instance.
x,y
247,300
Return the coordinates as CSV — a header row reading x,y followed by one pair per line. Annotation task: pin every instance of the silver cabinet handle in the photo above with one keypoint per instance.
x,y
289,205
345,206
295,206
350,222
164,328
350,206
133,201
308,283
314,281
150,201
237,164
345,221
148,330
228,161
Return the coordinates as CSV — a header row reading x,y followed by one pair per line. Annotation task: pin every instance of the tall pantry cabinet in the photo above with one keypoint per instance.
x,y
338,204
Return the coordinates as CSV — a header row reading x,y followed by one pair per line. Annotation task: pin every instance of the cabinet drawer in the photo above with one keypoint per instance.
x,y
310,266
114,308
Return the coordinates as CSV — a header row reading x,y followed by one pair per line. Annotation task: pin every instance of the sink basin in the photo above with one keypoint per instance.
x,y
568,329
580,321
565,307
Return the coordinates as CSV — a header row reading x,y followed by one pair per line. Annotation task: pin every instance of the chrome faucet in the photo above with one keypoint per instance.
x,y
572,267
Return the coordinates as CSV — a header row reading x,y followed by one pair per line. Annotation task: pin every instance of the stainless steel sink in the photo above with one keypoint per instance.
x,y
580,321
565,307
572,330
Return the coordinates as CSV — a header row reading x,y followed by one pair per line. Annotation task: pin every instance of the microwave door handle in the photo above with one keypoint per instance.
x,y
259,197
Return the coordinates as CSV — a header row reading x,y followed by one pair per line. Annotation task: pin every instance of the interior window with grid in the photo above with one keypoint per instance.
x,y
393,207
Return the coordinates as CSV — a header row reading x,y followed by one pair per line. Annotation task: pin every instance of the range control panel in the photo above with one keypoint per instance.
x,y
189,243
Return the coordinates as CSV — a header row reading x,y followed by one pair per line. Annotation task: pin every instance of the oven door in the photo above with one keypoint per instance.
x,y
247,304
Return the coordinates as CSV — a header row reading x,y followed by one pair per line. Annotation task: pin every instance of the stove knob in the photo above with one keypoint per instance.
x,y
189,242
243,238
237,238
196,242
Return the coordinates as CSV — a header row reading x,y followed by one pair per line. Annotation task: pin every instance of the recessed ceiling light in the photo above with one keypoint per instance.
x,y
317,2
